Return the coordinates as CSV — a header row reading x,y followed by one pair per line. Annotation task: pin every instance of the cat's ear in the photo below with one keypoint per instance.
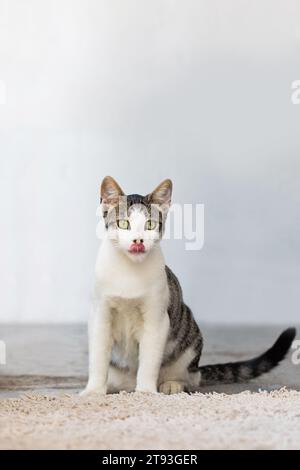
x,y
162,194
110,191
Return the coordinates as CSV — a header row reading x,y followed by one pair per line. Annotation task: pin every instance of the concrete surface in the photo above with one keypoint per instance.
x,y
54,358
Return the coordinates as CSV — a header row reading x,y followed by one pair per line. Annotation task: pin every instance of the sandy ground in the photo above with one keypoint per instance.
x,y
266,420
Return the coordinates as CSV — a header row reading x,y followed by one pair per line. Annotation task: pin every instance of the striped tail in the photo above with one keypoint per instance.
x,y
234,372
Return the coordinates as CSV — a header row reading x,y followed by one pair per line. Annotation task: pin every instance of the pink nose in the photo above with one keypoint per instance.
x,y
137,246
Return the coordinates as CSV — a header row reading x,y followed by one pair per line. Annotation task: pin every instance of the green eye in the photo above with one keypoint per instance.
x,y
151,225
123,224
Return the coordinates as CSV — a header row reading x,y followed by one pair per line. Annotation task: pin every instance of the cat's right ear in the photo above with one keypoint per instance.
x,y
162,194
110,192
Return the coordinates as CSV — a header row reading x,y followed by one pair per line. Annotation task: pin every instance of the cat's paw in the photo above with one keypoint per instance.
x,y
170,387
93,391
146,389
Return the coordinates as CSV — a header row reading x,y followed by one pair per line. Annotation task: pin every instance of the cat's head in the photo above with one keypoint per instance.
x,y
135,223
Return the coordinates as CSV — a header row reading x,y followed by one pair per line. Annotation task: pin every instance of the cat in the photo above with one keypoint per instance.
x,y
142,336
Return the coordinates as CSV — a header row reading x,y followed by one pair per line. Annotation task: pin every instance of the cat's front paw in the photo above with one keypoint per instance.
x,y
93,390
146,388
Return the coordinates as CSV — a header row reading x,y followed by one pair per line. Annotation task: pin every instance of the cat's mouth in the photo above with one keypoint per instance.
x,y
137,248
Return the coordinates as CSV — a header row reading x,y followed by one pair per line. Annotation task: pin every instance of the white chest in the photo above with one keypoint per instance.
x,y
118,277
127,328
124,284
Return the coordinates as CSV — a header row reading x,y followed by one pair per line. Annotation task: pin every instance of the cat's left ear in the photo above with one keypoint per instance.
x,y
110,192
162,194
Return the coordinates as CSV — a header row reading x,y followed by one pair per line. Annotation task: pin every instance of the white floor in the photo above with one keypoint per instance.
x,y
51,358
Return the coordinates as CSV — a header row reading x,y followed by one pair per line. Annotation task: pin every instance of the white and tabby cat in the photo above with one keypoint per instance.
x,y
142,336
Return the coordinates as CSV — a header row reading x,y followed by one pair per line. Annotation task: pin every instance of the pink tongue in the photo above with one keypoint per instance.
x,y
137,248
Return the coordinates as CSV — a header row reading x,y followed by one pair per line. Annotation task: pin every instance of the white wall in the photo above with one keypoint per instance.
x,y
198,91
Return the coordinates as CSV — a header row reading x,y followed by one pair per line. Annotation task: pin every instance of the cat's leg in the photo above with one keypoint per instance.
x,y
100,346
170,387
176,378
151,348
172,378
